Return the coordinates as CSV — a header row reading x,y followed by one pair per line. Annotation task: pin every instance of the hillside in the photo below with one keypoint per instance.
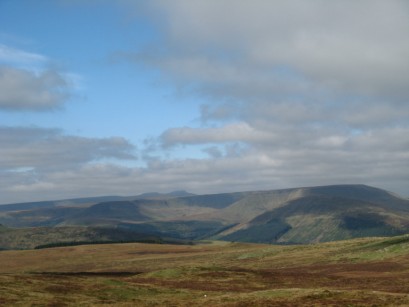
x,y
320,219
321,214
288,216
360,272
38,237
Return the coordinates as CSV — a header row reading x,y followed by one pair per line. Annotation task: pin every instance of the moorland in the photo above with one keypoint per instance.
x,y
359,272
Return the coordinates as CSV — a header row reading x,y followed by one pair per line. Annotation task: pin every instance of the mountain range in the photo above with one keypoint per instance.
x,y
287,216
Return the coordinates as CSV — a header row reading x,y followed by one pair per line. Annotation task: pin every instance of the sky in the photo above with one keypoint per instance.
x,y
126,97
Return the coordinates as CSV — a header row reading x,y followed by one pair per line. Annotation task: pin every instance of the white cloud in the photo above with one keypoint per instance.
x,y
26,90
42,150
28,82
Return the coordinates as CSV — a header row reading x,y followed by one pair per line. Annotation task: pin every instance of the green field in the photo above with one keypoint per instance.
x,y
360,272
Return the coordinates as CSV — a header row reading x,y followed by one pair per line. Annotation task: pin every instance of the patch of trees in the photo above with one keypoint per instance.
x,y
75,243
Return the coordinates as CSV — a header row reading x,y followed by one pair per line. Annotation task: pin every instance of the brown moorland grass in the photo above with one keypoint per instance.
x,y
361,272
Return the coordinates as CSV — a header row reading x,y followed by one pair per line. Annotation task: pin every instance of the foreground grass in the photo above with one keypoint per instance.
x,y
362,272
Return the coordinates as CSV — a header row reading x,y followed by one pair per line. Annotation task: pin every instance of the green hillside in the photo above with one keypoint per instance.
x,y
320,219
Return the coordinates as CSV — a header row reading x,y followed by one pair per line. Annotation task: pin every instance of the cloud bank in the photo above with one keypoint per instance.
x,y
41,162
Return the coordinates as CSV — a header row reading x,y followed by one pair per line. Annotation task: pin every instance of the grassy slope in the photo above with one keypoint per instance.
x,y
361,272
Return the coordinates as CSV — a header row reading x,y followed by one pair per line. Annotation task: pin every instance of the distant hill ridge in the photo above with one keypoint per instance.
x,y
296,215
84,201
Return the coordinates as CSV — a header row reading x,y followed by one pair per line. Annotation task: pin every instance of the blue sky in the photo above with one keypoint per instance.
x,y
125,97
84,41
